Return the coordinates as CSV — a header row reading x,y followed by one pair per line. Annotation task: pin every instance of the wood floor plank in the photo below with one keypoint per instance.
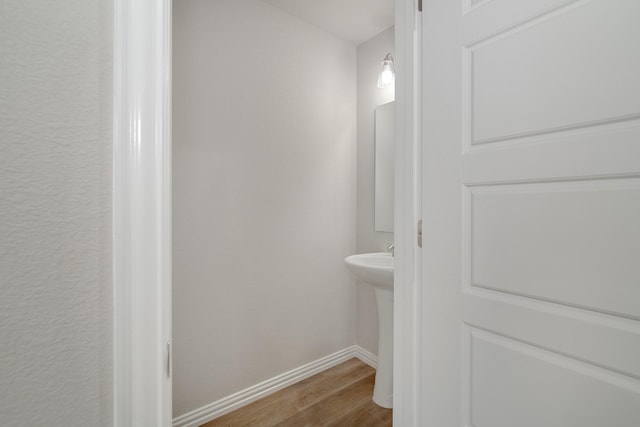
x,y
359,417
338,396
264,412
287,402
302,419
343,401
329,382
336,405
384,414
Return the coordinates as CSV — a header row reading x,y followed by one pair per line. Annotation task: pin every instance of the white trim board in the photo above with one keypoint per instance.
x,y
407,273
230,403
142,213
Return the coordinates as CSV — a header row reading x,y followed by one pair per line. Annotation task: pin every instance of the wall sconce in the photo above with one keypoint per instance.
x,y
387,74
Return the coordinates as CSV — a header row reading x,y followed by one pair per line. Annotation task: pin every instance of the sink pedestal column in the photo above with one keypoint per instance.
x,y
383,389
376,269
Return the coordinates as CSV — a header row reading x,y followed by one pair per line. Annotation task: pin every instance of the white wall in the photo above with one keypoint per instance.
x,y
55,214
264,196
370,54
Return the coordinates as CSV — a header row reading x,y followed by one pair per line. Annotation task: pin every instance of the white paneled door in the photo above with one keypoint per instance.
x,y
530,309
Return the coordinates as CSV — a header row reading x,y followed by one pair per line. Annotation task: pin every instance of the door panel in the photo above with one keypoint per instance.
x,y
601,340
574,243
484,19
533,387
531,213
550,70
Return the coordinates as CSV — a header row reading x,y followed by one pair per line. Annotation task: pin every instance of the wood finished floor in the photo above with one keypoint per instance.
x,y
337,397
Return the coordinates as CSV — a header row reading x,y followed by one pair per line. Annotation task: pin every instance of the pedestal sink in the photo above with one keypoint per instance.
x,y
376,269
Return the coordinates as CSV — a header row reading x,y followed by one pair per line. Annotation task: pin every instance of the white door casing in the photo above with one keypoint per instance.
x,y
142,213
530,299
407,212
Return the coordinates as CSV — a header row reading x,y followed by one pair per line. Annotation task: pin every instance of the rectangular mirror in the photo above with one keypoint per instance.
x,y
384,170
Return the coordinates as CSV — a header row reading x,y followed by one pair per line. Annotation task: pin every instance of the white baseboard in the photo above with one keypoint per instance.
x,y
366,356
230,403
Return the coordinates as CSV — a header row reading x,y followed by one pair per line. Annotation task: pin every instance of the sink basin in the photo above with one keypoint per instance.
x,y
374,268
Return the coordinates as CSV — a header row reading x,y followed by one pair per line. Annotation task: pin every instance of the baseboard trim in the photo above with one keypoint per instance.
x,y
230,403
366,356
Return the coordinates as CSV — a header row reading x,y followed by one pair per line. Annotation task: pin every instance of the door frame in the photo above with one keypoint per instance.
x,y
407,212
142,392
142,213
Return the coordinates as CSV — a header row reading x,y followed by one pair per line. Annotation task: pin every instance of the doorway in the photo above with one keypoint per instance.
x,y
152,107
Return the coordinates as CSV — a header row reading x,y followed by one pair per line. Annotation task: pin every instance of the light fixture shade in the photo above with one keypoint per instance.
x,y
387,73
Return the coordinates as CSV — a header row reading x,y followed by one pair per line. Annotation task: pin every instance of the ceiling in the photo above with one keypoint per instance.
x,y
353,20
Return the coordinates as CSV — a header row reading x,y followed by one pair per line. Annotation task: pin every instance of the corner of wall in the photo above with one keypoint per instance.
x,y
369,57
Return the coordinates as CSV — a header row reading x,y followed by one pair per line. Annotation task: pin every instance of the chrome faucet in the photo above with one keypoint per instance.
x,y
391,248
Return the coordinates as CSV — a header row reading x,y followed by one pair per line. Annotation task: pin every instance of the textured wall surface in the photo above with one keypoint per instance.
x,y
55,303
264,196
370,55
